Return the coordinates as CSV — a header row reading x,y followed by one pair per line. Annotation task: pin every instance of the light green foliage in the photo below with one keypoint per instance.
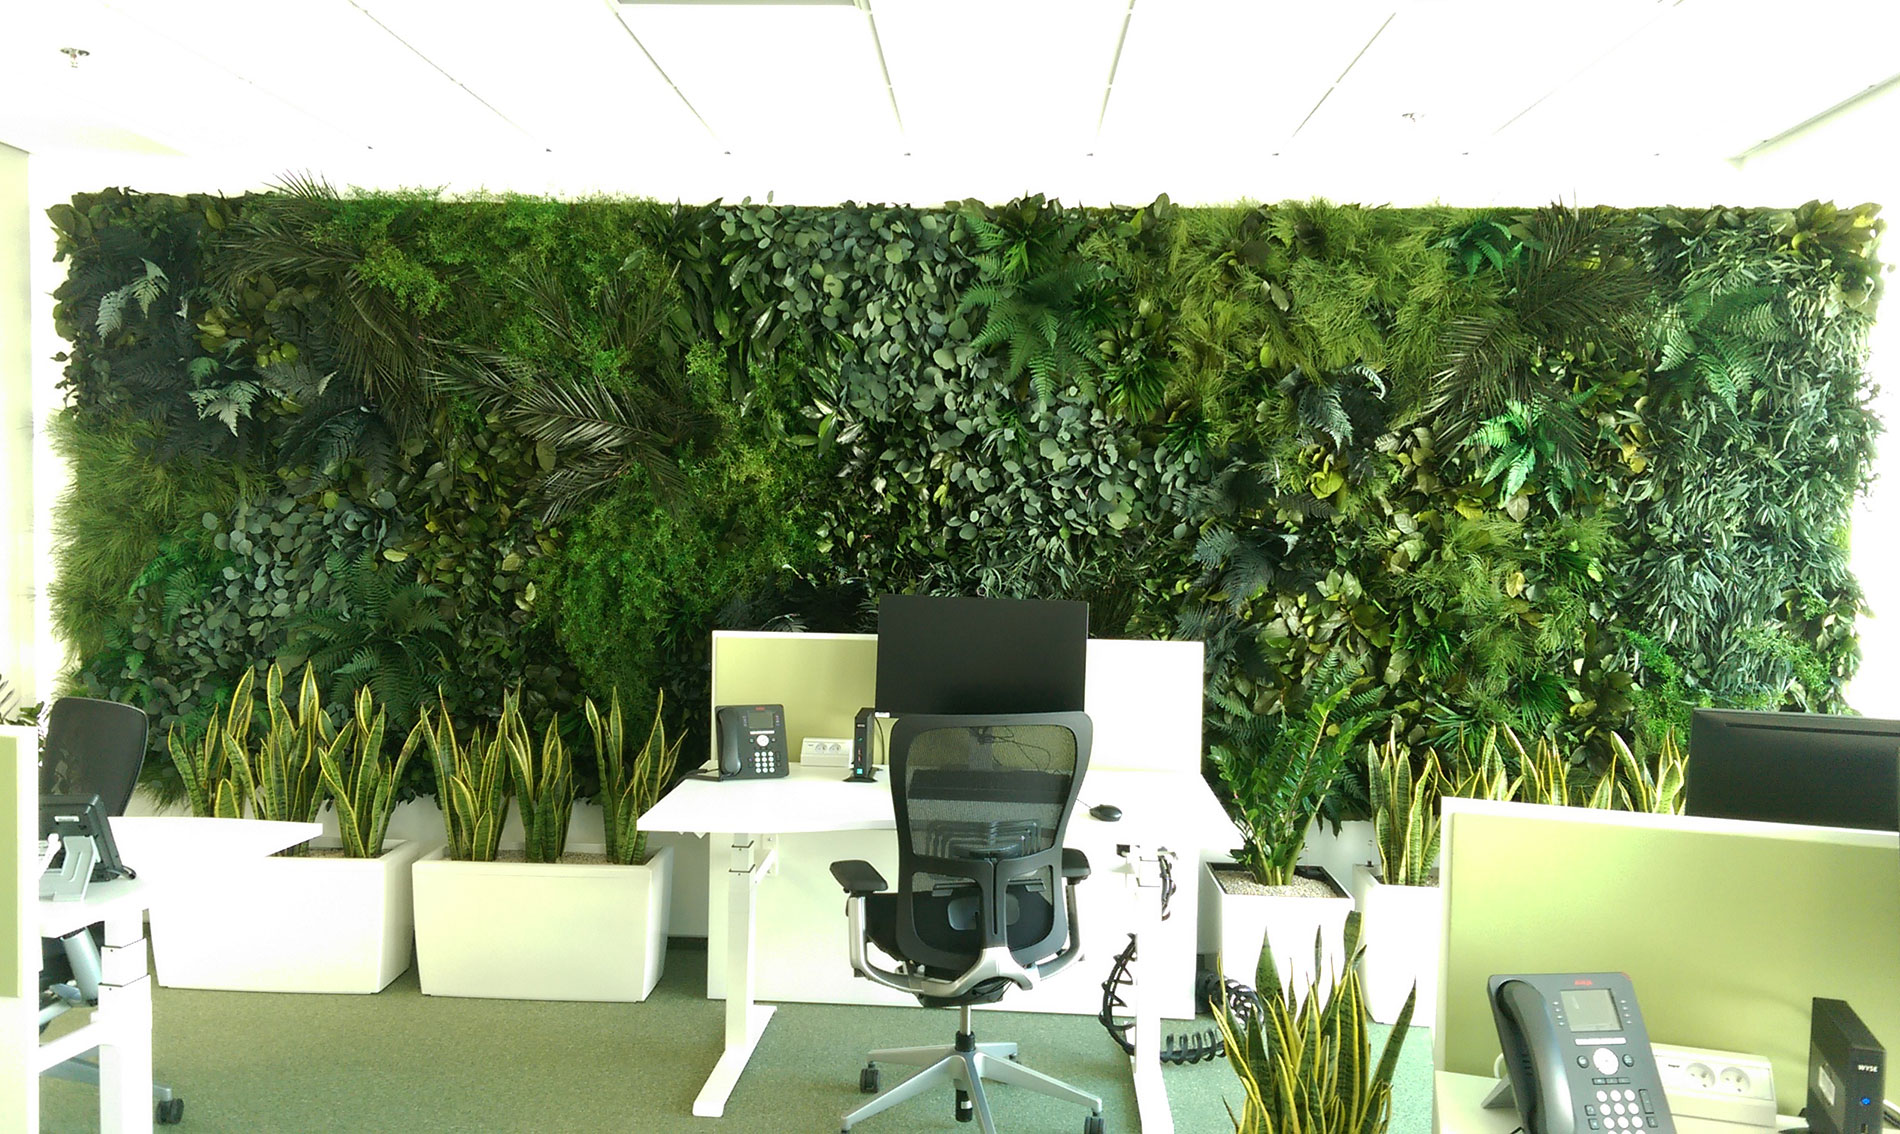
x,y
1480,771
472,782
1279,770
1304,1056
282,776
1636,788
545,789
361,779
1404,811
627,789
208,769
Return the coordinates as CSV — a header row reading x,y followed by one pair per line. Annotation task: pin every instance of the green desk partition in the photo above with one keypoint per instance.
x,y
821,679
1728,929
17,905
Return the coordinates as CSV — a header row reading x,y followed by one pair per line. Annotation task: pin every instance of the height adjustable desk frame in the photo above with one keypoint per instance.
x,y
814,801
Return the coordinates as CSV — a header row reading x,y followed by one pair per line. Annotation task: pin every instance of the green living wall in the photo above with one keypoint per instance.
x,y
1571,470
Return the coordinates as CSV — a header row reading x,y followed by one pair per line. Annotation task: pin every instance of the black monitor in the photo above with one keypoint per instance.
x,y
980,655
1828,771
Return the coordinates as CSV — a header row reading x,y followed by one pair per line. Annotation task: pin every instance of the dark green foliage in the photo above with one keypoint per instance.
x,y
384,632
1566,470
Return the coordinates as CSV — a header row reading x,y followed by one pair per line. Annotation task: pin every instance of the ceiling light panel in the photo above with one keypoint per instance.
x,y
1704,82
772,78
329,57
1230,74
1000,76
564,72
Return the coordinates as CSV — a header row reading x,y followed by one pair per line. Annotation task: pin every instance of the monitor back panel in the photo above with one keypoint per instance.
x,y
979,655
1831,771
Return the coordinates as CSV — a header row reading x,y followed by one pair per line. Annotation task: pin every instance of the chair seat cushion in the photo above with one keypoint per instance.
x,y
950,921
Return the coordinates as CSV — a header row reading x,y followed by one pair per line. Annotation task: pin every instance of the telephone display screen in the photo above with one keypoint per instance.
x,y
758,720
1592,1010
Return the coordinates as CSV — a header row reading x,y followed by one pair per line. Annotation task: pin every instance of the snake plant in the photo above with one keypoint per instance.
x,y
1482,774
361,781
281,776
546,791
472,781
627,790
205,767
1404,812
1305,1060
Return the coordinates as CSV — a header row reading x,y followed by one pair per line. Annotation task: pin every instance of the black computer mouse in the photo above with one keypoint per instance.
x,y
1106,812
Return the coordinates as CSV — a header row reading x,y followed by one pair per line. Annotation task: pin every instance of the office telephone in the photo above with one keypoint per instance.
x,y
1576,1054
751,741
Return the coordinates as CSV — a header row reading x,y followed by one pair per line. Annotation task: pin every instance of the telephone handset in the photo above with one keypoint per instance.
x,y
1576,1054
751,741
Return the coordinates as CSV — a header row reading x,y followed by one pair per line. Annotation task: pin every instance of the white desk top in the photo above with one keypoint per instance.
x,y
161,845
103,900
1457,1109
1156,806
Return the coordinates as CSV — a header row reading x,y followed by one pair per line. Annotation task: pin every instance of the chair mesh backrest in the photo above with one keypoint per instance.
x,y
93,747
982,803
988,792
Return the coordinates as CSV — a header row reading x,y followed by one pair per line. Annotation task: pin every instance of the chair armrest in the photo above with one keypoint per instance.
x,y
1075,864
857,876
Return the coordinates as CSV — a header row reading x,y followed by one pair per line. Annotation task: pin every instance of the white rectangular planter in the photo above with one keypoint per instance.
x,y
542,931
1289,923
288,924
1402,930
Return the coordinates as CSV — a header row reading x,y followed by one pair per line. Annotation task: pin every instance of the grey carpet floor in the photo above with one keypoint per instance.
x,y
252,1063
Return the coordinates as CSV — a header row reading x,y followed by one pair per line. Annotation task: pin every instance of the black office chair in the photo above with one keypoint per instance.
x,y
92,747
985,900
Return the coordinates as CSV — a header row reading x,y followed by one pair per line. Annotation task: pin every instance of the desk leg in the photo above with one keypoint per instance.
x,y
752,857
125,1016
1151,1094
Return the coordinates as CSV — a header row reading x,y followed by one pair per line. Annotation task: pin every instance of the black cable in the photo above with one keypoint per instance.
x,y
1179,1048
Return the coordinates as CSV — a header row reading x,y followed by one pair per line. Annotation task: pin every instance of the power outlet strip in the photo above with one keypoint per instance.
x,y
825,751
1718,1086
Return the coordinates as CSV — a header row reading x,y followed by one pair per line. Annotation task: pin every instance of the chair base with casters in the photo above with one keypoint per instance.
x,y
965,1065
76,959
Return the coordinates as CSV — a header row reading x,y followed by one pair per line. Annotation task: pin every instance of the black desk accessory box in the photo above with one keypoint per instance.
x,y
1846,1072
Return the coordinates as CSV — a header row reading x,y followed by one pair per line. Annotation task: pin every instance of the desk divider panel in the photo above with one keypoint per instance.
x,y
19,923
1144,696
1727,929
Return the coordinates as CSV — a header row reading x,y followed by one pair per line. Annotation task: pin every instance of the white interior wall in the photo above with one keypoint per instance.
x,y
17,653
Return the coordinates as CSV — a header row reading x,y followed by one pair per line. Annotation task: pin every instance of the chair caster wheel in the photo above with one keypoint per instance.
x,y
1092,1124
867,1080
168,1113
1014,1058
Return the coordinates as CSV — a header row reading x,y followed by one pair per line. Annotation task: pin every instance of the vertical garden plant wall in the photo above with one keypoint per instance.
x,y
1571,470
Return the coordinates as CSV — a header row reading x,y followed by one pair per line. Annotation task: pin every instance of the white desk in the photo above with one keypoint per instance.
x,y
746,818
163,851
1457,1108
121,1024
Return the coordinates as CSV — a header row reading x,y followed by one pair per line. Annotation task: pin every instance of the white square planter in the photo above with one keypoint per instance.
x,y
1290,923
542,931
1402,930
288,924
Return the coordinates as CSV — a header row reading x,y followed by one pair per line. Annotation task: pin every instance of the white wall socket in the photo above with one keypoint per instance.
x,y
825,751
1717,1086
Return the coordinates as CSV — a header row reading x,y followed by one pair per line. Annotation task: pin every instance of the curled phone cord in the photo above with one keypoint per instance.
x,y
1180,1048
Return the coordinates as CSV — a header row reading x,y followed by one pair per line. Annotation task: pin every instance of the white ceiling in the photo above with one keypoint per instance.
x,y
929,99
